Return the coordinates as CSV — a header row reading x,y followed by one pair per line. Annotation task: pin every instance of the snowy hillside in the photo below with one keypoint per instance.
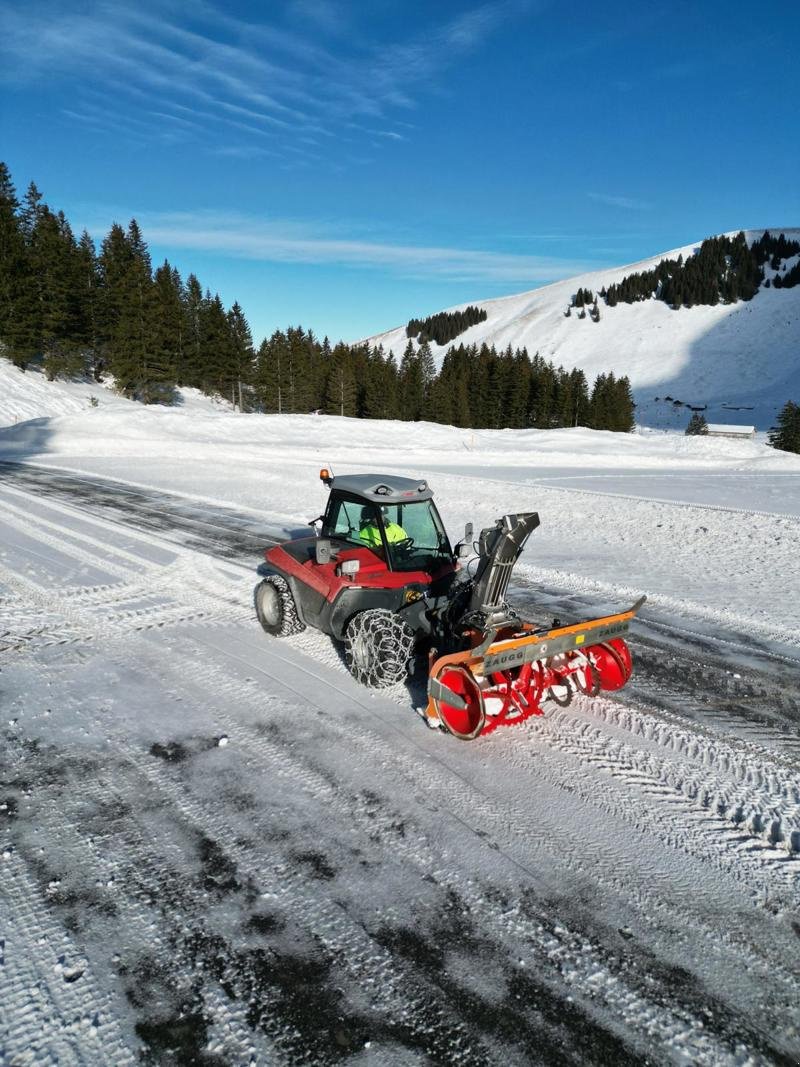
x,y
26,395
741,355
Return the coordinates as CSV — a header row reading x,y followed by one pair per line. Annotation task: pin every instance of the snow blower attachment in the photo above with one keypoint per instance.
x,y
381,577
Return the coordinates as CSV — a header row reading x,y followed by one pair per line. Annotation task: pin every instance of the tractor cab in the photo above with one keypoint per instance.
x,y
394,518
381,546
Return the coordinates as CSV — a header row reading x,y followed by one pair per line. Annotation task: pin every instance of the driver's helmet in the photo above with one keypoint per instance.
x,y
367,516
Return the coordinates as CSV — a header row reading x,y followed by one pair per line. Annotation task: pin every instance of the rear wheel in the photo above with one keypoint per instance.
x,y
378,648
276,609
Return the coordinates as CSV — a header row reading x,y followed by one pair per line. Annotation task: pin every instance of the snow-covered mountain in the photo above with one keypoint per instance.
x,y
744,355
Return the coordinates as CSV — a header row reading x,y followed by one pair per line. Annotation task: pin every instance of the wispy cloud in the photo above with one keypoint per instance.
x,y
283,241
201,64
324,14
627,203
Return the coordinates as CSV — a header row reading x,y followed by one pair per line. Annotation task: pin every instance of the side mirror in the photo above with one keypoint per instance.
x,y
322,551
464,550
349,568
468,532
313,522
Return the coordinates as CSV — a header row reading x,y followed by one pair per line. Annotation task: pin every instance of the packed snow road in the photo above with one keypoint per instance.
x,y
216,848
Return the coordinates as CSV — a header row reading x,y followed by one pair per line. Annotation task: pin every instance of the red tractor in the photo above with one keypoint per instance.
x,y
381,576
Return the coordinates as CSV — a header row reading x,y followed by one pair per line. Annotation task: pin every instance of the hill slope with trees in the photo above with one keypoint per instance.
x,y
107,315
713,325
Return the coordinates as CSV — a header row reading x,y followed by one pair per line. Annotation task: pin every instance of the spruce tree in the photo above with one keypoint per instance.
x,y
269,374
785,435
601,405
624,409
697,425
114,263
412,385
340,390
379,386
427,369
242,366
216,348
169,320
19,306
579,413
191,371
53,256
88,294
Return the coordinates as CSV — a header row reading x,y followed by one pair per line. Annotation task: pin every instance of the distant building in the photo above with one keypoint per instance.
x,y
719,429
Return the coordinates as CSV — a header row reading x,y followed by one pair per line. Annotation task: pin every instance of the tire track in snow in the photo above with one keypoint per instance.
x,y
389,755
758,877
436,799
51,1007
88,620
121,854
391,987
763,800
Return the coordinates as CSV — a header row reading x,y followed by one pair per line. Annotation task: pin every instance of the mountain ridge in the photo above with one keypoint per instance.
x,y
739,355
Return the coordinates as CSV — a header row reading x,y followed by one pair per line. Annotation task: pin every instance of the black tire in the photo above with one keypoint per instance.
x,y
276,609
378,648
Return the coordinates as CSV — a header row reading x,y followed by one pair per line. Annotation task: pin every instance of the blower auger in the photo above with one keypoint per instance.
x,y
380,575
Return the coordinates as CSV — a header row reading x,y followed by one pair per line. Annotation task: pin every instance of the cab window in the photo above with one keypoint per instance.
x,y
347,518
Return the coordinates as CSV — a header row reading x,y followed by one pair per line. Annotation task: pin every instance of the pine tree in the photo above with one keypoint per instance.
x,y
191,371
412,385
379,386
340,391
30,211
697,425
114,263
88,295
624,409
53,256
427,369
169,320
786,434
216,348
19,308
601,405
269,374
140,371
242,365
542,396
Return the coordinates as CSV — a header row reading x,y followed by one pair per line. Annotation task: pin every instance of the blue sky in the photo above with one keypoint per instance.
x,y
350,165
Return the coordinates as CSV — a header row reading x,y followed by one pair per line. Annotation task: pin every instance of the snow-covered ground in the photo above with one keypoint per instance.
x,y
215,846
740,355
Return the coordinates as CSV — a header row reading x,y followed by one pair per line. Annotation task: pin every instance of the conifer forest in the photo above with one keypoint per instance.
x,y
107,312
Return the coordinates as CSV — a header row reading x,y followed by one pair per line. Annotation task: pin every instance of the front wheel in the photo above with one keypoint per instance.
x,y
378,648
276,609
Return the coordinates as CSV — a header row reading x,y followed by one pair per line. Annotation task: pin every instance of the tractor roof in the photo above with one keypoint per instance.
x,y
382,488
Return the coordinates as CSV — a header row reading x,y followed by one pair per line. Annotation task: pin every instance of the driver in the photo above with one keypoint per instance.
x,y
369,532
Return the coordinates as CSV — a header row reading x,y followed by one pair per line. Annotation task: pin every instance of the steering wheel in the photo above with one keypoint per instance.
x,y
403,545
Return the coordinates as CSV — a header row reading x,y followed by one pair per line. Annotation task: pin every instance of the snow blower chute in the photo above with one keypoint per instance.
x,y
380,575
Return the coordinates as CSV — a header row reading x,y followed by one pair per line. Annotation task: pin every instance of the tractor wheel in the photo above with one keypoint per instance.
x,y
276,609
378,647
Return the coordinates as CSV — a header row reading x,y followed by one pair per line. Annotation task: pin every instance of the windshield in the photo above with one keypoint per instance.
x,y
415,535
413,532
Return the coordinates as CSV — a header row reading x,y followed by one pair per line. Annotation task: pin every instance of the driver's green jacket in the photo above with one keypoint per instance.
x,y
371,535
